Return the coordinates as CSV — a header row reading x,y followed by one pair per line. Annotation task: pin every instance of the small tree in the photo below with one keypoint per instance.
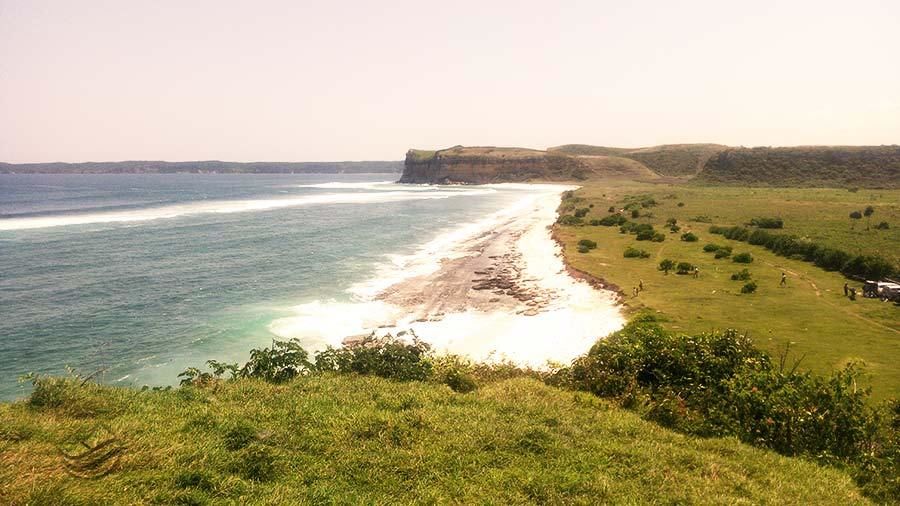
x,y
868,212
855,215
666,265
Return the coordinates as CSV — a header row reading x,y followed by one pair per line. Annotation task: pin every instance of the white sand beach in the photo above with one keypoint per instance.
x,y
495,289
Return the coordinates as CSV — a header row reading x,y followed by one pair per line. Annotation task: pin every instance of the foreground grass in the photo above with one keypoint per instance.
x,y
811,312
352,439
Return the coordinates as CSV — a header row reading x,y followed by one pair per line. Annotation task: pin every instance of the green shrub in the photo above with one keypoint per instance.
x,y
702,219
711,247
582,212
684,268
284,361
587,243
689,237
610,221
767,222
635,213
743,258
723,252
611,209
386,357
666,265
883,226
583,249
742,275
749,287
568,219
658,237
635,253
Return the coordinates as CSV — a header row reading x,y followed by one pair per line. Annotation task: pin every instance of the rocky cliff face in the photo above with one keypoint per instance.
x,y
490,165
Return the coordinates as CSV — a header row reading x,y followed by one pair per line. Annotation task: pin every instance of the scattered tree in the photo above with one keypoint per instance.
x,y
667,265
868,212
855,215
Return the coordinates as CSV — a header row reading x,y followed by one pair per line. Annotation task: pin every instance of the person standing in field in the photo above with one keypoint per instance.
x,y
641,285
783,279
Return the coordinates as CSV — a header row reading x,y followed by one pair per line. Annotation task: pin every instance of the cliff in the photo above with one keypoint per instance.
x,y
478,165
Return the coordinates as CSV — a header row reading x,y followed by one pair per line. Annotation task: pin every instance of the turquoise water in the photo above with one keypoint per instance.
x,y
141,276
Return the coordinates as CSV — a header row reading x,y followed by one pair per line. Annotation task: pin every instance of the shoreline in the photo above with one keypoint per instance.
x,y
495,290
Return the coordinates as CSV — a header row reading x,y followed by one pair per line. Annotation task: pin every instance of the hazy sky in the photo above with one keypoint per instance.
x,y
339,80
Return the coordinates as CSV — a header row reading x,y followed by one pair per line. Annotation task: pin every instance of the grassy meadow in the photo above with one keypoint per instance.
x,y
811,312
365,440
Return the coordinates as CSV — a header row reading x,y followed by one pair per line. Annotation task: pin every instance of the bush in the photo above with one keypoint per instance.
x,y
384,357
582,212
587,243
883,226
583,249
684,268
689,237
749,287
611,209
742,275
635,213
723,252
767,222
610,221
635,253
285,360
645,235
711,247
702,219
666,265
568,219
658,237
743,258
719,384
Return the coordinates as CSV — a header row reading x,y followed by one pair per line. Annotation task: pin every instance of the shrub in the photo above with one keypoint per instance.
x,y
749,287
702,219
568,219
743,258
742,275
883,226
767,222
285,360
587,243
658,237
711,247
645,235
386,357
610,221
723,252
635,213
681,204
611,209
635,253
582,212
684,268
666,265
671,222
689,237
583,249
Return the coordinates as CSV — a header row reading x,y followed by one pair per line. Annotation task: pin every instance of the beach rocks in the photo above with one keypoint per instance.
x,y
505,278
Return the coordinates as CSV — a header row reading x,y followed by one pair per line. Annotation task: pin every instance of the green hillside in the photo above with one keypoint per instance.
x,y
842,166
667,160
352,439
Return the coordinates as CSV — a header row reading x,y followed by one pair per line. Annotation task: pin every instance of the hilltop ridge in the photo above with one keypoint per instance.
x,y
713,164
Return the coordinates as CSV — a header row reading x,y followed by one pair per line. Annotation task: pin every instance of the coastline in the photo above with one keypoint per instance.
x,y
494,290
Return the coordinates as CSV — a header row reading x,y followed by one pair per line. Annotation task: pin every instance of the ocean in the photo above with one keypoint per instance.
x,y
136,277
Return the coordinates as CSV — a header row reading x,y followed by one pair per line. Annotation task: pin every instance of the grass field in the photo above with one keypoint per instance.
x,y
810,312
365,440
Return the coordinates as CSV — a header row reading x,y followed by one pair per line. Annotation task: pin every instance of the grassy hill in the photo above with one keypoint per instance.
x,y
811,311
841,166
355,439
677,160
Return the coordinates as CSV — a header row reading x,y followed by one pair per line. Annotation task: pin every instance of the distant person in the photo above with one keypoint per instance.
x,y
696,272
783,279
634,291
846,290
853,294
641,285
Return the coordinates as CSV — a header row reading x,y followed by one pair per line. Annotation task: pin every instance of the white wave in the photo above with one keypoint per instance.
x,y
228,206
376,185
569,327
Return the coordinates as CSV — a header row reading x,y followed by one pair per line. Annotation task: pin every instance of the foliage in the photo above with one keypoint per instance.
x,y
883,226
384,357
742,275
767,222
612,220
284,361
689,237
720,384
568,219
742,258
684,268
587,243
723,252
749,287
635,253
666,265
581,212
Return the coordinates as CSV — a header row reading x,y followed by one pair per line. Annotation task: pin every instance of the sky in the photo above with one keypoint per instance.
x,y
271,80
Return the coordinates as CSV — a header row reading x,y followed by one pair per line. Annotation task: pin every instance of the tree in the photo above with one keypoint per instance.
x,y
667,265
868,213
855,215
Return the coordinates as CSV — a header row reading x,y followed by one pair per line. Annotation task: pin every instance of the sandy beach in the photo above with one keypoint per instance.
x,y
496,289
